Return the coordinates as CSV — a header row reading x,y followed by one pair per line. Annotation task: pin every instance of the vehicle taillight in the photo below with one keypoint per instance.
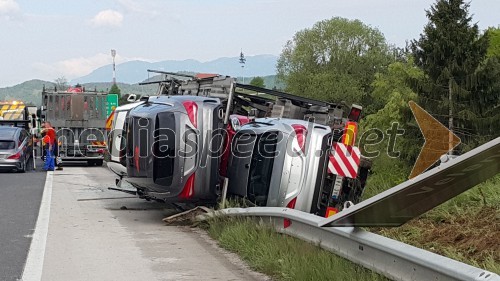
x,y
192,111
350,132
355,113
188,190
100,151
330,211
15,156
301,134
291,205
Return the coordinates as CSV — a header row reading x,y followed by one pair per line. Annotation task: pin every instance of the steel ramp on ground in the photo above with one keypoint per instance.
x,y
414,197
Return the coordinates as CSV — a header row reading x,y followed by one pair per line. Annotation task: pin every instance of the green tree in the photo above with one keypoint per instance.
x,y
258,82
392,92
115,90
488,74
122,99
493,35
449,51
61,83
335,60
486,123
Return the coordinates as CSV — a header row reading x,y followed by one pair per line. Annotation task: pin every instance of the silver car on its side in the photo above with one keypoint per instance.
x,y
279,163
16,148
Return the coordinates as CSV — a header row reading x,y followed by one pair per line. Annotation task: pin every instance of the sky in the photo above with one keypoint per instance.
x,y
59,38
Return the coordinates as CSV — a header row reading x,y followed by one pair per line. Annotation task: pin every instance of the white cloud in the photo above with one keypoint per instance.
x,y
107,18
8,6
9,10
77,67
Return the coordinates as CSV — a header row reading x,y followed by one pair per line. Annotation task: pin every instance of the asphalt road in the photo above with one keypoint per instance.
x,y
20,197
94,233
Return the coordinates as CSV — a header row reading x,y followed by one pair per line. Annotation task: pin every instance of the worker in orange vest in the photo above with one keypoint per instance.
x,y
49,140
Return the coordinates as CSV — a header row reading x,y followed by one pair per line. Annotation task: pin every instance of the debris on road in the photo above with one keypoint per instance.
x,y
187,217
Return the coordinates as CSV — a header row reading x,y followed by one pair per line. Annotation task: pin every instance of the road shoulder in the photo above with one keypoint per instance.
x,y
96,234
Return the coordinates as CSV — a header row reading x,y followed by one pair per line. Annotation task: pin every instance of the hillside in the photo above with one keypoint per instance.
x,y
30,91
136,71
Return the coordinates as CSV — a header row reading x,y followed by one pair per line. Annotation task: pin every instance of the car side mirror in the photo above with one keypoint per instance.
x,y
131,98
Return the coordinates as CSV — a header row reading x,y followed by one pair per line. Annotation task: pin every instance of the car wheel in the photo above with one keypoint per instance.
x,y
23,166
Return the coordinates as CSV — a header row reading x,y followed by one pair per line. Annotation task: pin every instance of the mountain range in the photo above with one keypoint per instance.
x,y
129,74
136,71
30,91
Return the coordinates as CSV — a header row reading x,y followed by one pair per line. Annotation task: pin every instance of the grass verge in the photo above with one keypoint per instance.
x,y
466,228
280,256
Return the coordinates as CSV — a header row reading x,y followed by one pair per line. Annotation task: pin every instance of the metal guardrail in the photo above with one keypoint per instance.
x,y
393,259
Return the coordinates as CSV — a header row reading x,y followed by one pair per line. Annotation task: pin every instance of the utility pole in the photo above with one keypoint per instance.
x,y
242,62
113,54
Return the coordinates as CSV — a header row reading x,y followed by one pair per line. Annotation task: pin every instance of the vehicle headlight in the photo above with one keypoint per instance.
x,y
235,123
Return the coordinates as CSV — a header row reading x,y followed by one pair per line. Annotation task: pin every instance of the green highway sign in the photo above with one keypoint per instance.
x,y
112,103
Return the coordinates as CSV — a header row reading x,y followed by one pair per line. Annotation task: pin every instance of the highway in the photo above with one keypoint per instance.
x,y
20,196
86,232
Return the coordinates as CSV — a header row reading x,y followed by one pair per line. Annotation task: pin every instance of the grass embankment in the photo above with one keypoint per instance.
x,y
466,228
283,257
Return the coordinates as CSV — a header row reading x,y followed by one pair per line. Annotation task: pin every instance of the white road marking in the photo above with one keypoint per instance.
x,y
34,262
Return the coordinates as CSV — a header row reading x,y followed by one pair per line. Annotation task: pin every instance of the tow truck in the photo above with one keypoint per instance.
x,y
16,113
192,180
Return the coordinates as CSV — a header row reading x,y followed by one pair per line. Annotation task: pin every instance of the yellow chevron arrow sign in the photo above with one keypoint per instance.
x,y
438,140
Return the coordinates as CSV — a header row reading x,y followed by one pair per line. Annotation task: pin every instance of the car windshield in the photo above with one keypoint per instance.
x,y
6,145
261,168
164,149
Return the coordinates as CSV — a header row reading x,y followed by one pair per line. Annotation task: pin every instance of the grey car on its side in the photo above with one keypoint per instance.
x,y
173,148
15,148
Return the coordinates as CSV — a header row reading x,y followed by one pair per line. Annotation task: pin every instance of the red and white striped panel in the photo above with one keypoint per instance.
x,y
344,160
